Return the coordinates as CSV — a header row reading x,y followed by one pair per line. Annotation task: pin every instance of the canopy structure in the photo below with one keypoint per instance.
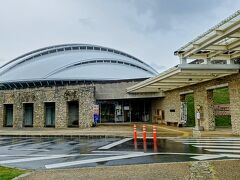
x,y
219,43
214,54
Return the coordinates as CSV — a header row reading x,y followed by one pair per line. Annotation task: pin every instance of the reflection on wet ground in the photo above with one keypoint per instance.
x,y
40,153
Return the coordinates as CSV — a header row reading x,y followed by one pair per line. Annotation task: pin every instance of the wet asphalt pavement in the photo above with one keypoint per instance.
x,y
50,153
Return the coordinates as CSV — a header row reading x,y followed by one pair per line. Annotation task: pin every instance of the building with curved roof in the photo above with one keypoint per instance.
x,y
59,86
74,62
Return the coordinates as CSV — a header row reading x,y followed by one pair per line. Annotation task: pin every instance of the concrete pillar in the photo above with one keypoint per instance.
x,y
183,108
61,120
86,102
204,99
38,119
234,96
210,117
17,111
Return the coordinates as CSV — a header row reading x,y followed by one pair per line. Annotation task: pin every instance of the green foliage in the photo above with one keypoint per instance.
x,y
221,96
190,110
10,173
223,121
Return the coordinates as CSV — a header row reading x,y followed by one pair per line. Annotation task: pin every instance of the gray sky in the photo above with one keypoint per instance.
x,y
151,30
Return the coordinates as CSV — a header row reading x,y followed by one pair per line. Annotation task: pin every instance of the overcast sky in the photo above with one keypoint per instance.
x,y
151,30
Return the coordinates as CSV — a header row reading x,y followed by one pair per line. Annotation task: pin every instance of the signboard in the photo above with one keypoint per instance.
x,y
222,109
96,114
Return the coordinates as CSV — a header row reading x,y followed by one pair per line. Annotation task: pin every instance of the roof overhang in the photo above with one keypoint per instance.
x,y
184,75
222,42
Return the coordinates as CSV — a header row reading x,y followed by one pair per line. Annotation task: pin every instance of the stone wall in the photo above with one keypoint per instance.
x,y
203,97
85,95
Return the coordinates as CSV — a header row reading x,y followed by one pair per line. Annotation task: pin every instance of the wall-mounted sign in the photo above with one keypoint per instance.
x,y
96,115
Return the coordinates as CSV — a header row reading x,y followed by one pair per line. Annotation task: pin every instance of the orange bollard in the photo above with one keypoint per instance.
x,y
154,133
155,149
134,132
144,133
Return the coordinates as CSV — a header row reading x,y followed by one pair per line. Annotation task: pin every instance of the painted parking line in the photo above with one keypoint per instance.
x,y
221,147
21,143
210,141
232,155
115,143
223,150
215,143
204,140
95,160
29,149
206,157
132,155
34,159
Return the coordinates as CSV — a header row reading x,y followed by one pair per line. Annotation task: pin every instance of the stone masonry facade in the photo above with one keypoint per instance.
x,y
83,94
203,96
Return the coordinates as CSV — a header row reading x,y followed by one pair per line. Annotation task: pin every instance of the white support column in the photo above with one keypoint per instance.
x,y
230,61
183,60
207,61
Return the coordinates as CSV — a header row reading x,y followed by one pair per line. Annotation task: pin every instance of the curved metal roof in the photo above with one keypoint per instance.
x,y
75,62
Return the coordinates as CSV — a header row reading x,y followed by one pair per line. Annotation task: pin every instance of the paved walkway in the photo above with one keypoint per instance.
x,y
211,170
114,131
101,130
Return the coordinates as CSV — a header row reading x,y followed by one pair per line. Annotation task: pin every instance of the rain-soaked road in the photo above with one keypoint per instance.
x,y
41,153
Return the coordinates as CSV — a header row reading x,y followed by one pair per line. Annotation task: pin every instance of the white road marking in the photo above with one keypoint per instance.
x,y
206,157
17,144
223,150
218,147
210,141
115,143
29,149
203,139
207,139
231,155
216,143
34,159
119,152
95,160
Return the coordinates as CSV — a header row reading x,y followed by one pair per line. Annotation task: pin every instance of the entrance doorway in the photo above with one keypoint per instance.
x,y
50,114
28,115
73,114
107,112
8,115
128,110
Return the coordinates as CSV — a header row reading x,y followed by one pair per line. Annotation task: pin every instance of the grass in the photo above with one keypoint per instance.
x,y
10,173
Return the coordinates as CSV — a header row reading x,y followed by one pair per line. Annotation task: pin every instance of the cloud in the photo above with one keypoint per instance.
x,y
86,22
150,30
163,15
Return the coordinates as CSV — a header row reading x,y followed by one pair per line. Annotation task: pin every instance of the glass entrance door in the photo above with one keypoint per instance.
x,y
50,114
73,113
28,114
8,115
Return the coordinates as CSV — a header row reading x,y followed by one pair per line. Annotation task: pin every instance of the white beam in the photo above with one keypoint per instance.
x,y
213,39
186,92
217,86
